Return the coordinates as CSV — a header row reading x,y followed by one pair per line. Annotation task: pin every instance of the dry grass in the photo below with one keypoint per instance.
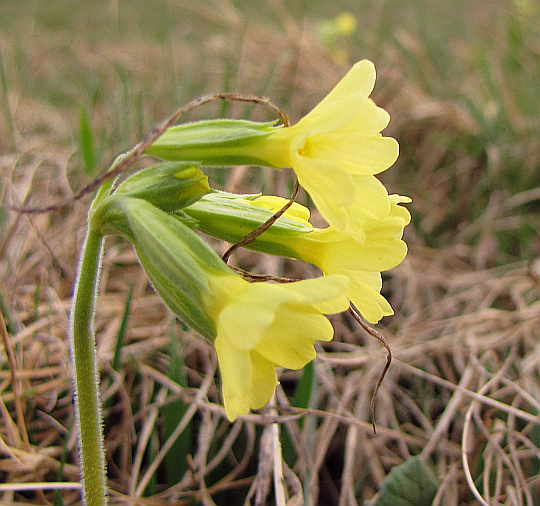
x,y
462,392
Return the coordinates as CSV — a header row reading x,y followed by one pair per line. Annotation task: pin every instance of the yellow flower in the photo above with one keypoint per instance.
x,y
261,326
255,327
362,262
336,149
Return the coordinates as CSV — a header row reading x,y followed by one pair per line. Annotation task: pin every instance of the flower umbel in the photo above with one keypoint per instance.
x,y
336,151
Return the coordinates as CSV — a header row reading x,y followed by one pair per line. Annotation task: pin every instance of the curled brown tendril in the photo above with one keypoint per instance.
x,y
377,335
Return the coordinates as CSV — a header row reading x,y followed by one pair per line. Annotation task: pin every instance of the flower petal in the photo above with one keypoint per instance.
x,y
264,380
289,341
353,151
244,320
369,119
364,294
236,376
319,290
340,106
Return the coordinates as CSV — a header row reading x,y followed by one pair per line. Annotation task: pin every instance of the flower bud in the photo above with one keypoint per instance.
x,y
170,186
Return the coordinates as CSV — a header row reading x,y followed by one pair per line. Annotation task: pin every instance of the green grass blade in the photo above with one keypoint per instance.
x,y
58,500
176,458
122,331
3,78
303,398
120,339
86,141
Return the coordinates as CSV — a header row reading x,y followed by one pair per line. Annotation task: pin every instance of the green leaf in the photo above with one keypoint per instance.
x,y
410,484
86,141
122,331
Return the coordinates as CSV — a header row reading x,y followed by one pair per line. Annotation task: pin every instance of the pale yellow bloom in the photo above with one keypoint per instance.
x,y
362,262
345,24
335,151
262,326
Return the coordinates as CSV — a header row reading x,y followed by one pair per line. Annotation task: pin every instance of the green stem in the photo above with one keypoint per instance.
x,y
83,348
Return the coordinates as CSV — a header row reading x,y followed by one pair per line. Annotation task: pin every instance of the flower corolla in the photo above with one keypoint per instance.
x,y
336,149
262,326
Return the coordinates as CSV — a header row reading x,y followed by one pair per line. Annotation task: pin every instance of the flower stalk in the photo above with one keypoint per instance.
x,y
84,359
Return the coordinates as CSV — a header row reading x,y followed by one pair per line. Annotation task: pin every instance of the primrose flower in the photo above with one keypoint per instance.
x,y
263,326
334,252
335,150
362,262
255,327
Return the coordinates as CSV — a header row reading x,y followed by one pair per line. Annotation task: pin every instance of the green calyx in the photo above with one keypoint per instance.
x,y
214,142
230,217
176,260
170,186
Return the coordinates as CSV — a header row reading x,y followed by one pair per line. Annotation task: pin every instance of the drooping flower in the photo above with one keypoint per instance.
x,y
334,252
255,327
263,326
362,262
335,150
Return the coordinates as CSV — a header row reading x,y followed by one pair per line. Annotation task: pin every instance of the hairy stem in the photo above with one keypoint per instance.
x,y
84,359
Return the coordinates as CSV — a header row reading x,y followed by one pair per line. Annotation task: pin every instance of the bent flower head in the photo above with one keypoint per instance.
x,y
255,327
262,326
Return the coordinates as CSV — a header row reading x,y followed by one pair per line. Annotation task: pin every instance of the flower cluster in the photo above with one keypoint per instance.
x,y
256,327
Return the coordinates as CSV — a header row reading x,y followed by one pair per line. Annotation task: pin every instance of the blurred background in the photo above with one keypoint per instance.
x,y
82,82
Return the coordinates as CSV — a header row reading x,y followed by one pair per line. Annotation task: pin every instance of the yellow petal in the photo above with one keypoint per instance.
x,y
289,341
369,120
320,290
330,187
264,380
367,299
354,152
244,320
340,106
236,377
372,255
